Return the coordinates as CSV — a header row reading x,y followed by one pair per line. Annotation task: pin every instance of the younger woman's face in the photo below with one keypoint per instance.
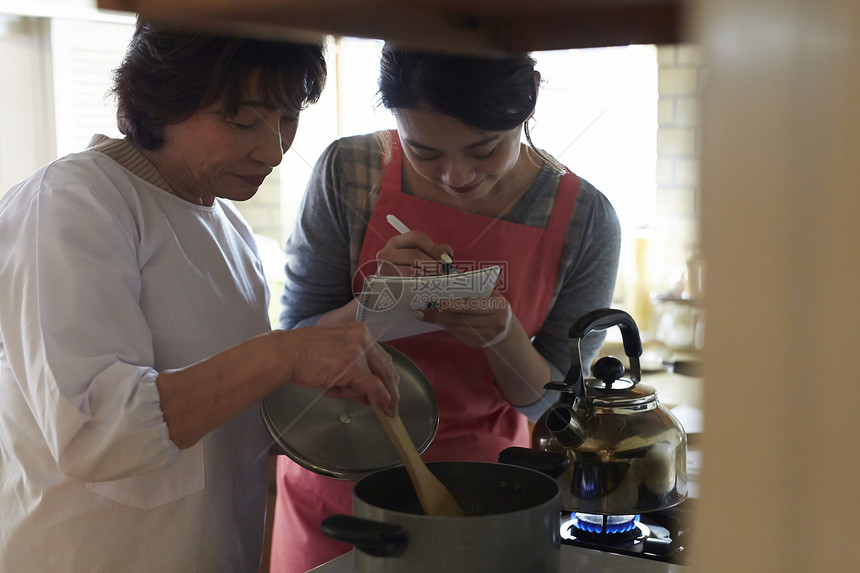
x,y
466,163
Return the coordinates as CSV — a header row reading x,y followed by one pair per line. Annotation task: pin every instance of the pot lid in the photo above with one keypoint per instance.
x,y
343,438
622,392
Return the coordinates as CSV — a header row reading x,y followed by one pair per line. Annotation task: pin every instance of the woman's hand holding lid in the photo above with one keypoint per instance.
x,y
346,361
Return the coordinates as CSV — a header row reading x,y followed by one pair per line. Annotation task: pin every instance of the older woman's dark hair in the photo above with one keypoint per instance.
x,y
168,75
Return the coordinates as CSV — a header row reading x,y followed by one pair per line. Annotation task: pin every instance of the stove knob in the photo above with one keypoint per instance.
x,y
658,546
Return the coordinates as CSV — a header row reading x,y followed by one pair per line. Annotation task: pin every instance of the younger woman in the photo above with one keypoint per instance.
x,y
457,173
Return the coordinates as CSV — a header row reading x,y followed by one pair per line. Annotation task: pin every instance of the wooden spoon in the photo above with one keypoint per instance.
x,y
434,496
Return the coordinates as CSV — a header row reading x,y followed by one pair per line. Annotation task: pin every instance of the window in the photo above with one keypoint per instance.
x,y
596,113
84,54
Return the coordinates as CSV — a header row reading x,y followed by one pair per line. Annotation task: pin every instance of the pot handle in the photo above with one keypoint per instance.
x,y
372,537
547,463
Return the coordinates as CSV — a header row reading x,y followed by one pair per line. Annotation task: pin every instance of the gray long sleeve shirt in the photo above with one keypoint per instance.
x,y
323,250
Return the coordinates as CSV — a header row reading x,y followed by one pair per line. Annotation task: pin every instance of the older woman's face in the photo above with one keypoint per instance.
x,y
213,155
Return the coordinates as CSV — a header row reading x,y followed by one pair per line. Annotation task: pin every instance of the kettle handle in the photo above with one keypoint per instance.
x,y
601,319
604,318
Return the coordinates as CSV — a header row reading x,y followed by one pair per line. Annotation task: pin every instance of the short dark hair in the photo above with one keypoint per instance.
x,y
492,93
168,75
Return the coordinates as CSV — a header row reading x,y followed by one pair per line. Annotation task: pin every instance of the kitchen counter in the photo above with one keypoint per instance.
x,y
675,390
573,559
681,392
682,395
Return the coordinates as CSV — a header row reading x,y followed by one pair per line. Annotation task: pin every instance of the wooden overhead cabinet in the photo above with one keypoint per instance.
x,y
467,26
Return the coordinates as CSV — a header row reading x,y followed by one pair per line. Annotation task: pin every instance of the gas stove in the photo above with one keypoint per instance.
x,y
573,560
654,542
658,535
660,542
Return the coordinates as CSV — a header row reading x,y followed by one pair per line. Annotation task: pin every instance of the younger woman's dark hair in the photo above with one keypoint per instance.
x,y
486,93
492,94
168,75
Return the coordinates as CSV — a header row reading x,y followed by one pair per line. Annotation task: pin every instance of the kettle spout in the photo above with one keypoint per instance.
x,y
566,426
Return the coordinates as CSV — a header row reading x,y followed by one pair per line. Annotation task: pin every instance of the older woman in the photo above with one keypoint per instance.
x,y
134,340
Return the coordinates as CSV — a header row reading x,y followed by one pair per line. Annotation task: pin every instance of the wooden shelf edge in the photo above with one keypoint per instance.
x,y
484,30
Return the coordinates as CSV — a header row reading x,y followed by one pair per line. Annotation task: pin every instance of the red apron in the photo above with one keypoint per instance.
x,y
475,421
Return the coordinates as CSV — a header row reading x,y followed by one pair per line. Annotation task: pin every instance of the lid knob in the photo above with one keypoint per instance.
x,y
609,369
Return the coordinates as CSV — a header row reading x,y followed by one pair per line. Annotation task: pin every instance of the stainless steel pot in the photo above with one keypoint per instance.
x,y
627,452
511,522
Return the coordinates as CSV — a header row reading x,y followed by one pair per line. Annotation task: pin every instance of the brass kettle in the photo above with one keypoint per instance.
x,y
627,452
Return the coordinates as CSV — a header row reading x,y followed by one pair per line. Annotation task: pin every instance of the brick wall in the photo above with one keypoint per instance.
x,y
679,82
659,253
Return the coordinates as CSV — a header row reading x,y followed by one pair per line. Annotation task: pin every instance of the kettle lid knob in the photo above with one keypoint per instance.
x,y
609,369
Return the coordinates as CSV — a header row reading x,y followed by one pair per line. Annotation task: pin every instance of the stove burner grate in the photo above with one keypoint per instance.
x,y
610,524
659,535
606,529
